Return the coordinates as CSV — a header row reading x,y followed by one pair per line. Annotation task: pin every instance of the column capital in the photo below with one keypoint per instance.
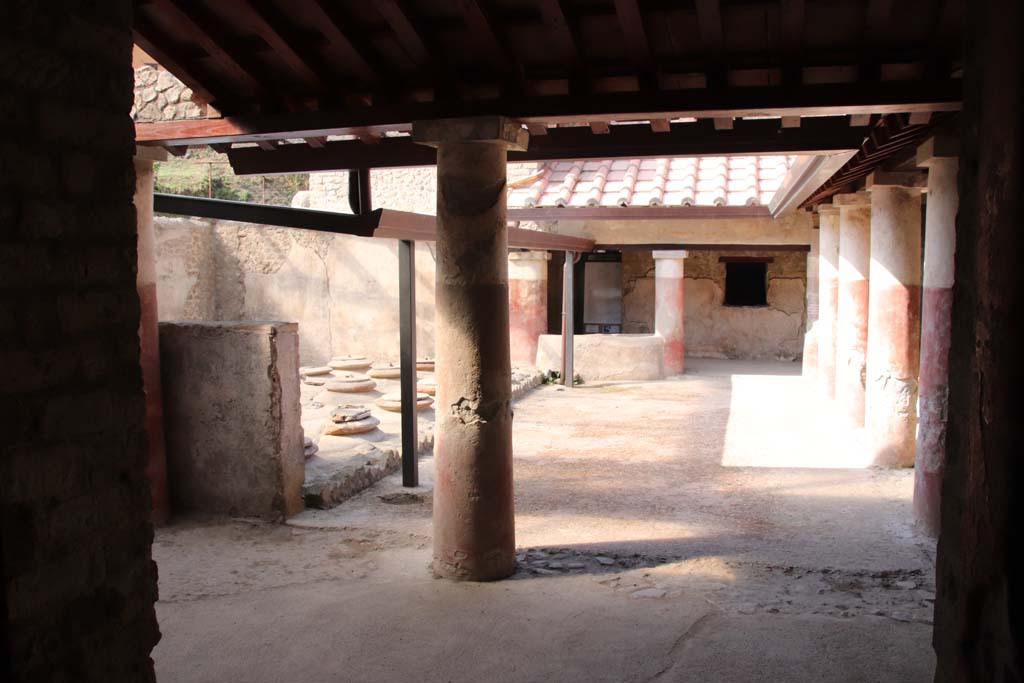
x,y
669,254
529,256
484,129
910,180
937,149
851,199
828,209
148,153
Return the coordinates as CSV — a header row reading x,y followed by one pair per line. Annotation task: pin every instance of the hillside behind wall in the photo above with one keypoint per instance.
x,y
77,583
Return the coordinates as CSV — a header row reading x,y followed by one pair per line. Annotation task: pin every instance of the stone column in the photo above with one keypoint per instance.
x,y
852,307
527,303
474,532
939,156
669,307
828,297
894,323
149,334
810,358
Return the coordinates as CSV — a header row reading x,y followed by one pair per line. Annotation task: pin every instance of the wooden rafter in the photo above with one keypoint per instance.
x,y
632,23
399,17
191,23
336,28
148,38
272,26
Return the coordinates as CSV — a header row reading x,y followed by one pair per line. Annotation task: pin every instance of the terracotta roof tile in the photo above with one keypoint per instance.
x,y
681,181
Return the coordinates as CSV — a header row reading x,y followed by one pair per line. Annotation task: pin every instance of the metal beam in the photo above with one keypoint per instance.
x,y
263,214
407,359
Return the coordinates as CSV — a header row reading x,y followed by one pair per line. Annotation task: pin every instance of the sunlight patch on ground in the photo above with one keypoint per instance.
x,y
781,422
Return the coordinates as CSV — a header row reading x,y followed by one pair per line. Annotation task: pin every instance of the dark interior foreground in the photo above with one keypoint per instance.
x,y
78,580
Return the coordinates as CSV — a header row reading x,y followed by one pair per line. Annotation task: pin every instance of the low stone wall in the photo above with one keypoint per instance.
x,y
605,357
232,417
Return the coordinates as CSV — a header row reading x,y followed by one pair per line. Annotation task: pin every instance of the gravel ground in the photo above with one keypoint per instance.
x,y
716,527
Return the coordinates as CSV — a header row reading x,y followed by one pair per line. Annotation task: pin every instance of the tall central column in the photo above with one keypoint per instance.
x,y
939,156
828,297
669,308
894,324
474,532
852,327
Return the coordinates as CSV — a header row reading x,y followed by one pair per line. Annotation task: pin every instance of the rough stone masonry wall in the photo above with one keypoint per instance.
x,y
77,584
342,290
714,330
979,608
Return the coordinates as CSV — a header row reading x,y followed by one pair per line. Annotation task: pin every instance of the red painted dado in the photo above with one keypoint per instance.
x,y
896,310
528,318
891,392
933,403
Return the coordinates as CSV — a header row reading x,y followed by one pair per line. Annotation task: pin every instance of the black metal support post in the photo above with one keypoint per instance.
x,y
407,354
568,319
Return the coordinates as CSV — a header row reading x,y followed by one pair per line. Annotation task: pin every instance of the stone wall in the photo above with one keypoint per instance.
x,y
232,418
77,583
159,96
714,330
341,290
979,606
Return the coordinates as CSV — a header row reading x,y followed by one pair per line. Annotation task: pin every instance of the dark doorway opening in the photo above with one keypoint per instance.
x,y
746,284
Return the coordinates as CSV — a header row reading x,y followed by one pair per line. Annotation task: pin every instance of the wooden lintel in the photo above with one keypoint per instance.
x,y
759,136
808,100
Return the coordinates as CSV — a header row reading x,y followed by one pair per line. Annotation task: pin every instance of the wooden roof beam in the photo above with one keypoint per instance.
x,y
192,24
763,136
397,14
809,101
270,24
334,27
147,37
632,23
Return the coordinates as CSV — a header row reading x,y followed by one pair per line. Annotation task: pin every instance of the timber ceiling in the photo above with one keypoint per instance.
x,y
759,76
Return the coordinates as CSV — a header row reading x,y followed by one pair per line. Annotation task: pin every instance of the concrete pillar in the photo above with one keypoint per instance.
x,y
828,297
149,334
810,357
852,306
474,532
527,303
669,307
894,324
939,156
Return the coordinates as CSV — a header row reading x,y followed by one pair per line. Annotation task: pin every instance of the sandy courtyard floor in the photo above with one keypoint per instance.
x,y
716,527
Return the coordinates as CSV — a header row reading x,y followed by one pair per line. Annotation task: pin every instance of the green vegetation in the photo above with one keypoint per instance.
x,y
205,173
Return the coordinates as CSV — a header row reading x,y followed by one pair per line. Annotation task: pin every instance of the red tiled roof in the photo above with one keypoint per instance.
x,y
683,181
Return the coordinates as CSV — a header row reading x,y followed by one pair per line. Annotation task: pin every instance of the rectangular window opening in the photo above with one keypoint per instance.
x,y
746,283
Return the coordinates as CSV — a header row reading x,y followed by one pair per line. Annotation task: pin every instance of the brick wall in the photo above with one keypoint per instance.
x,y
78,584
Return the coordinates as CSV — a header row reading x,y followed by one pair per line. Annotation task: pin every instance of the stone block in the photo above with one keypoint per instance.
x,y
232,417
605,357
